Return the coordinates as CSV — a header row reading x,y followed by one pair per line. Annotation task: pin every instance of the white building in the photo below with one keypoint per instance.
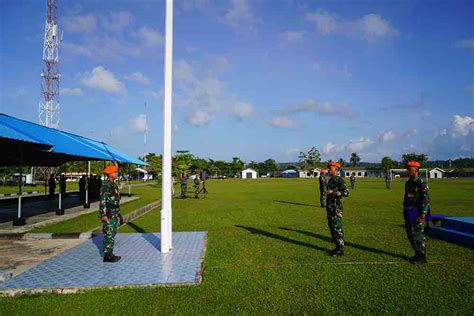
x,y
249,174
315,173
436,173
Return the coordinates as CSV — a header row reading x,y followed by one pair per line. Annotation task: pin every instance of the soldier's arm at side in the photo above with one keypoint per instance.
x,y
425,200
342,189
104,196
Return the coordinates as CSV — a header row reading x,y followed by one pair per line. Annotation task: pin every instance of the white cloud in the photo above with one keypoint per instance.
x,y
102,79
370,27
283,122
240,16
242,110
388,136
331,69
71,91
322,108
149,36
104,48
117,21
138,124
466,43
200,118
80,24
330,148
138,77
462,125
292,36
359,144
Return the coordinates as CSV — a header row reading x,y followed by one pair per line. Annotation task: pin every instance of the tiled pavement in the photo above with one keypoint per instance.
x,y
142,264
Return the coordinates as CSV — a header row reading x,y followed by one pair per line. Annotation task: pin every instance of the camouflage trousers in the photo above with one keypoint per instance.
x,y
416,233
184,189
352,184
196,190
334,214
322,197
110,230
387,183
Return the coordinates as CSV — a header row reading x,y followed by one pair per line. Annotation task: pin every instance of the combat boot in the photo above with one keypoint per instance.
x,y
111,258
339,251
418,259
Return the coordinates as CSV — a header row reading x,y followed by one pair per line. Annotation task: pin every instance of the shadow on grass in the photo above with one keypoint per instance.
x,y
350,244
280,237
154,240
294,203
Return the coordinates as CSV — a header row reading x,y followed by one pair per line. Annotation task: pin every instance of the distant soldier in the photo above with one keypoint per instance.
x,y
323,181
197,182
388,180
336,189
52,186
173,181
352,178
184,185
109,212
416,212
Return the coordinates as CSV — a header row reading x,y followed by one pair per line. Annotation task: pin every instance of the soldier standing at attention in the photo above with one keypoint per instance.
x,y
184,185
388,180
52,186
197,182
416,212
336,189
322,186
353,180
109,212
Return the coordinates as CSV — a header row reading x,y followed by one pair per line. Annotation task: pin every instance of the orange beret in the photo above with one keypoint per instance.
x,y
110,169
413,163
323,170
333,163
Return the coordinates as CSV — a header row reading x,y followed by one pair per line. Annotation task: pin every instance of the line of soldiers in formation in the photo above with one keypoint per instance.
x,y
416,207
95,184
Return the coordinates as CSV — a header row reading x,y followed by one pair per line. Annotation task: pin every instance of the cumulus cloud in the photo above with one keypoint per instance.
x,y
149,36
80,24
138,77
369,27
283,122
462,125
102,79
388,136
330,148
117,21
138,124
71,91
465,43
242,110
200,118
359,144
240,16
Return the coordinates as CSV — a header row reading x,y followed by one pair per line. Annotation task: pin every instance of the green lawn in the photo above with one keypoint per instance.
x,y
266,254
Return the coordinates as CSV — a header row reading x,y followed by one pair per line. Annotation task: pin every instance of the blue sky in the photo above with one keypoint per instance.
x,y
255,79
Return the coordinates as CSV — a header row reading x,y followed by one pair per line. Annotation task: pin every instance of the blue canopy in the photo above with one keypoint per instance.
x,y
37,145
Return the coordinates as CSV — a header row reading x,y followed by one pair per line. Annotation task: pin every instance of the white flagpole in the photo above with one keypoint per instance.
x,y
166,212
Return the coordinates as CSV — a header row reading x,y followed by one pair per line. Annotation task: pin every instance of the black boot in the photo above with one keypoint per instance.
x,y
418,259
339,251
111,258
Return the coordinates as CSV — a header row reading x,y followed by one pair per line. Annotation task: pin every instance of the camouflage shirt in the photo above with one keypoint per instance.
x,y
417,195
339,188
323,181
109,199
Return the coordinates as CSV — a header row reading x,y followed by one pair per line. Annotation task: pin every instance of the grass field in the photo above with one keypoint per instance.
x,y
266,254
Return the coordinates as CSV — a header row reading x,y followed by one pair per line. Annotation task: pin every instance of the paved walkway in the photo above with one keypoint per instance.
x,y
142,264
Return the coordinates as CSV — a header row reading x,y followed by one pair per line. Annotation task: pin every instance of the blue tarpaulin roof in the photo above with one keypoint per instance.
x,y
43,146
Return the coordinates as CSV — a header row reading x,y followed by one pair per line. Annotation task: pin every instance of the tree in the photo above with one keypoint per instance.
x,y
355,159
413,156
311,159
342,162
271,166
236,166
387,163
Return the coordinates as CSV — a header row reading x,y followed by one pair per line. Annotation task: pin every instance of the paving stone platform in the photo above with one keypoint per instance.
x,y
142,264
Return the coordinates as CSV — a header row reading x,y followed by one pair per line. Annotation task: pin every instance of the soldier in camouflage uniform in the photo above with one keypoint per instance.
x,y
416,212
197,182
109,212
388,179
353,180
322,186
184,185
336,189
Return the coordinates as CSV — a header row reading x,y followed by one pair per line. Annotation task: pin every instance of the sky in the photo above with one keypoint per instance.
x,y
254,79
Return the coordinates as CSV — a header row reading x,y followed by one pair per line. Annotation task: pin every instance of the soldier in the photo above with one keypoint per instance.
x,y
416,212
388,180
322,186
352,178
184,185
197,182
335,190
52,186
109,212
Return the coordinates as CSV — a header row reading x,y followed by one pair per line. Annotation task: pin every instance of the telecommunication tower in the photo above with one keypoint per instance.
x,y
48,114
